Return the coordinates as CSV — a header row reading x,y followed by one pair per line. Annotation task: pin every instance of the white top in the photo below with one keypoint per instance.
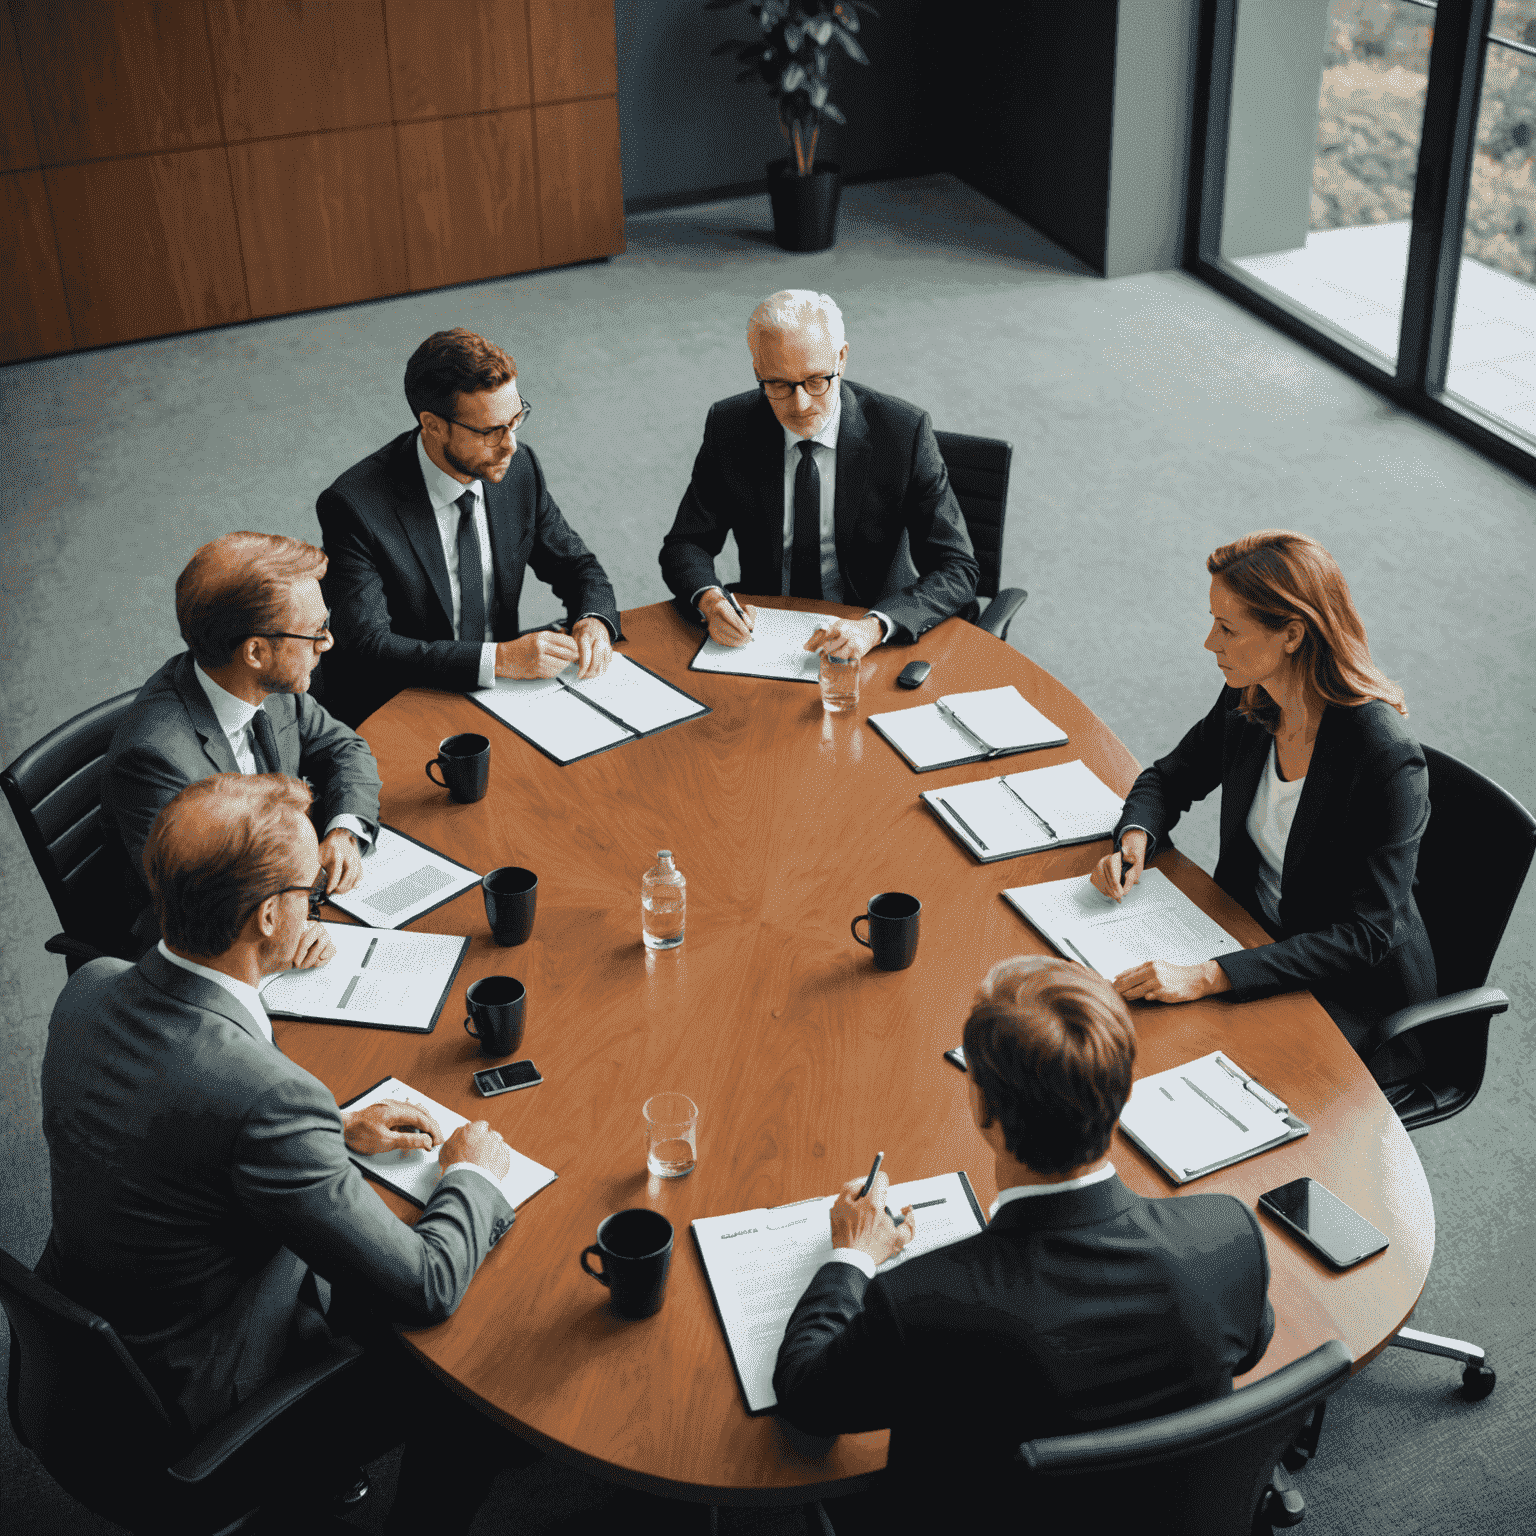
x,y
1269,825
242,992
237,719
443,491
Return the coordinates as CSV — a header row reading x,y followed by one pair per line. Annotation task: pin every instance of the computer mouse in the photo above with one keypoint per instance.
x,y
914,674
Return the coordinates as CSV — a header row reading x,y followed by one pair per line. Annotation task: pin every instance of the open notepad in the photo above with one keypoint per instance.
x,y
759,1263
403,880
568,719
1155,921
776,649
1022,812
1207,1114
967,728
415,1174
377,977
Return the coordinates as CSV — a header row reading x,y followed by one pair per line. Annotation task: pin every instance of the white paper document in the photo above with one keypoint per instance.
x,y
415,1174
760,1262
1202,1116
776,649
377,976
967,728
402,879
643,701
1155,921
1021,812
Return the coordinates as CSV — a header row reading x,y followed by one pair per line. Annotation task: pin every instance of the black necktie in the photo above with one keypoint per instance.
x,y
471,573
805,559
264,743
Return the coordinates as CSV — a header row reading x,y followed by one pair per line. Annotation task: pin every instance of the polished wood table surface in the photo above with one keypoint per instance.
x,y
802,1057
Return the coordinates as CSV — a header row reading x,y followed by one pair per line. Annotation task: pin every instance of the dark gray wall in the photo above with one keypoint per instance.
x,y
688,130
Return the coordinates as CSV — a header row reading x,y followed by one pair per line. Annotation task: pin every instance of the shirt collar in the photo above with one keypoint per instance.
x,y
827,437
1024,1191
234,715
442,489
242,991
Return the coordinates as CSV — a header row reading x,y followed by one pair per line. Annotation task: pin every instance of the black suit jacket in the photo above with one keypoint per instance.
x,y
391,606
1069,1312
1349,929
891,480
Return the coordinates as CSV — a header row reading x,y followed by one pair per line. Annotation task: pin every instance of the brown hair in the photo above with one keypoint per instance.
x,y
237,586
1282,576
452,363
1051,1046
216,851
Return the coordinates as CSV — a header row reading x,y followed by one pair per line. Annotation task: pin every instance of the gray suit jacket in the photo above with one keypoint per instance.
x,y
199,1176
171,738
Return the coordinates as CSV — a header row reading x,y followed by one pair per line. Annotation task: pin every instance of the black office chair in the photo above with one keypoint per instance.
x,y
1210,1470
978,475
1473,861
54,789
79,1403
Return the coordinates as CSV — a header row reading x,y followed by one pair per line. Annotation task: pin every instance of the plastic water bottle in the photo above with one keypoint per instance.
x,y
663,903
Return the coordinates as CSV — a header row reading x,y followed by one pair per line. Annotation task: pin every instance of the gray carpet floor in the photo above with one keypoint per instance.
x,y
1152,420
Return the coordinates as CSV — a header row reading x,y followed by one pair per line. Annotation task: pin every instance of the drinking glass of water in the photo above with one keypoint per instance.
x,y
839,684
671,1134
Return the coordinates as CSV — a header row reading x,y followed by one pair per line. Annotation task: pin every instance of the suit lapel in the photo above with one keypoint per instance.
x,y
204,721
1238,791
770,489
501,514
852,472
197,992
413,511
1315,792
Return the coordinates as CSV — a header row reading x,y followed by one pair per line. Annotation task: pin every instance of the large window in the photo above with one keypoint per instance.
x,y
1366,178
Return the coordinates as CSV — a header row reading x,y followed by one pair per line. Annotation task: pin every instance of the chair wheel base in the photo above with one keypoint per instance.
x,y
1477,1381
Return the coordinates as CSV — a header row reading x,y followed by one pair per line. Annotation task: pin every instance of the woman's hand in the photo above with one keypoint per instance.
x,y
1160,981
1116,873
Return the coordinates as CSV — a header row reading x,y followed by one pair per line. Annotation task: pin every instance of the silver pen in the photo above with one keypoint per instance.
x,y
1258,1090
960,725
1050,830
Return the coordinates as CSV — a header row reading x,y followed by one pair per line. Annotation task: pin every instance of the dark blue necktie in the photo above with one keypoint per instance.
x,y
471,573
805,559
264,743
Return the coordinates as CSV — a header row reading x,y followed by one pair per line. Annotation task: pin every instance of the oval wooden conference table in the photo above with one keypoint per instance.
x,y
803,1058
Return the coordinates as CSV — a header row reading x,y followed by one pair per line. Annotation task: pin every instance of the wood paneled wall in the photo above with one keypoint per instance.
x,y
172,164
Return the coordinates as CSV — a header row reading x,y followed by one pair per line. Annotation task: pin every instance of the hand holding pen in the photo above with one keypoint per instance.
x,y
1117,872
860,1219
729,622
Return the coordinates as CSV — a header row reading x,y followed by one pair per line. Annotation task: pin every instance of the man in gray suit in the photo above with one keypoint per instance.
x,y
236,700
203,1199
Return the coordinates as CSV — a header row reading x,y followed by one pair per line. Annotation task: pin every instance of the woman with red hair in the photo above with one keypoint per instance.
x,y
1324,797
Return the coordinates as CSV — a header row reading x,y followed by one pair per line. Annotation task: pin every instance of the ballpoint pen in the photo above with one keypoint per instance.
x,y
960,724
740,611
869,1184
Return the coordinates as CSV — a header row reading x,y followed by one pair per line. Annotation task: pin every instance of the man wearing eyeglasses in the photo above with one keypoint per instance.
x,y
818,478
430,538
236,700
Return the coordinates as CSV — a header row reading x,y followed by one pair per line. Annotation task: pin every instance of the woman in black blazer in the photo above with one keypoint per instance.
x,y
1325,795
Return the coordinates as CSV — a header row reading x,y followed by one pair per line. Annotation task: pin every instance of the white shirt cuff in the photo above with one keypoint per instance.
x,y
487,678
886,624
358,829
485,1173
860,1260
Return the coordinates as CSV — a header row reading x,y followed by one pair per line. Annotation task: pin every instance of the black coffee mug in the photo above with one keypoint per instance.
x,y
466,764
892,919
636,1249
511,894
496,1007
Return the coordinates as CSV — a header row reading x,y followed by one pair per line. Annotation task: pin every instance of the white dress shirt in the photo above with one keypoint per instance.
x,y
862,1261
237,720
242,991
443,491
1269,825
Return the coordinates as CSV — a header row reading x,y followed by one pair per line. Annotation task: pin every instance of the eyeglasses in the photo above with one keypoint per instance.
x,y
283,634
316,893
497,432
781,389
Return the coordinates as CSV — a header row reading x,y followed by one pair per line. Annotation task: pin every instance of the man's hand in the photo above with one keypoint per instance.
x,y
342,861
594,648
1116,873
390,1127
847,639
315,949
1160,981
725,627
541,654
477,1143
863,1224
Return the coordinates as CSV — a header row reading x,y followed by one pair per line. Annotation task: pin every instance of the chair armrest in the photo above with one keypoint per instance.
x,y
1000,611
260,1409
1454,1005
76,952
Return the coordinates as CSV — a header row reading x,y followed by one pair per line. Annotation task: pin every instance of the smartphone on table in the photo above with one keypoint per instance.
x,y
516,1074
1338,1234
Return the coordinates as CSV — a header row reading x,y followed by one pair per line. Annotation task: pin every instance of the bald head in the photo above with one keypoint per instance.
x,y
219,848
239,585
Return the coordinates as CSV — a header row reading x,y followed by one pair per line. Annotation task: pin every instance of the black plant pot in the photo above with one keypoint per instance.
x,y
804,207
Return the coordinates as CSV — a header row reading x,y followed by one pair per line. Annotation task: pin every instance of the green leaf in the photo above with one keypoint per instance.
x,y
851,48
793,78
830,111
818,94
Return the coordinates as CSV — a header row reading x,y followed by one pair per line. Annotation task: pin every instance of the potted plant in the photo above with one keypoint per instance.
x,y
793,57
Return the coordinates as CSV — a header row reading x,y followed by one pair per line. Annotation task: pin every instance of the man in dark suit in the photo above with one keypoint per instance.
x,y
203,1199
429,539
236,700
818,479
1081,1305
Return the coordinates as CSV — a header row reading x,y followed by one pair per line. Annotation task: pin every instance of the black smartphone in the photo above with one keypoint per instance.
x,y
956,1058
516,1074
1323,1222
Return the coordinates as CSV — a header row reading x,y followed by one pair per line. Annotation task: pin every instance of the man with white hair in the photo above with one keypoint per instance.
x,y
818,478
